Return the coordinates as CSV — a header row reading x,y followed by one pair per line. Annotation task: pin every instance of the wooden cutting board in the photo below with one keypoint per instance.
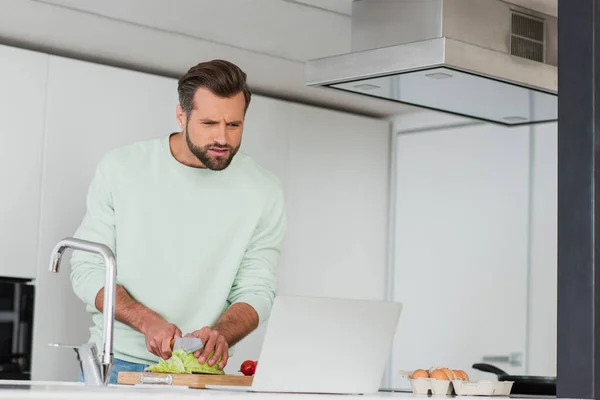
x,y
198,381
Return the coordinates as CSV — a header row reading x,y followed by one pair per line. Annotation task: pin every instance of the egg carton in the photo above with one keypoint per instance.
x,y
436,387
482,388
429,385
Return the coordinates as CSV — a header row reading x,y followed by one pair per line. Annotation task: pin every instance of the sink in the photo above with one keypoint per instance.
x,y
24,383
53,385
73,387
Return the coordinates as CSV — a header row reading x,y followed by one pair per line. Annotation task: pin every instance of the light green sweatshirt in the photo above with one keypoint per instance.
x,y
188,242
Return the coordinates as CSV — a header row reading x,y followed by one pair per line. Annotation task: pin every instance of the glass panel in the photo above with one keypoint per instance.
x,y
463,94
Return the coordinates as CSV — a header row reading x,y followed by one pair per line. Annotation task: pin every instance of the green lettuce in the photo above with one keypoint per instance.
x,y
185,363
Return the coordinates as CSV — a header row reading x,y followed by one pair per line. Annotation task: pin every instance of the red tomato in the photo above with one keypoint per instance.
x,y
248,367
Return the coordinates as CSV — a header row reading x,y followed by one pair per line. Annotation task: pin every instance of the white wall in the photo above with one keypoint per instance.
x,y
540,271
461,246
334,167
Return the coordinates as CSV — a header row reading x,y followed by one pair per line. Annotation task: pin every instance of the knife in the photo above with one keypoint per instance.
x,y
187,344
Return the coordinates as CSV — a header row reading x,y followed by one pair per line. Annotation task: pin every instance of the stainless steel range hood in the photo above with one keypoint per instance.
x,y
485,59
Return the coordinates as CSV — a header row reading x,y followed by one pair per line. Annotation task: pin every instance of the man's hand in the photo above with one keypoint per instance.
x,y
213,340
158,334
157,331
236,323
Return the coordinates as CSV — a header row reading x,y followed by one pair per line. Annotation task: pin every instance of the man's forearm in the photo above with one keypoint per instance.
x,y
129,311
237,322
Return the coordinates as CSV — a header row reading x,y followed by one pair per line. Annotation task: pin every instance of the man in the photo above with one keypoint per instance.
x,y
196,228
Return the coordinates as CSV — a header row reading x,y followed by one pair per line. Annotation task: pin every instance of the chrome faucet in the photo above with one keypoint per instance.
x,y
96,371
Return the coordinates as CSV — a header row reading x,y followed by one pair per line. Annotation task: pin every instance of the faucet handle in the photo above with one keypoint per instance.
x,y
87,355
69,346
86,350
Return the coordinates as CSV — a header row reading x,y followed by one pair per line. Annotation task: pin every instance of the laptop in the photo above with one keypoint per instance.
x,y
324,345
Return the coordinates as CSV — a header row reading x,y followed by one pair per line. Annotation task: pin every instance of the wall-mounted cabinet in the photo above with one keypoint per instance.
x,y
23,77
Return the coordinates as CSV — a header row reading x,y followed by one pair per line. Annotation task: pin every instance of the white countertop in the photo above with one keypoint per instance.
x,y
75,390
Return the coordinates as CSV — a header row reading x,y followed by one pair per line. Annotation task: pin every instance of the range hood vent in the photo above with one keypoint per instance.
x,y
485,59
527,37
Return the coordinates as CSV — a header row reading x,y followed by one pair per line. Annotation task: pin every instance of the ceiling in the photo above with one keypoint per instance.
x,y
276,28
549,7
269,39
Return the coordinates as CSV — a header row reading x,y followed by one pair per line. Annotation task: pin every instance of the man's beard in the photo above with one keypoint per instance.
x,y
215,163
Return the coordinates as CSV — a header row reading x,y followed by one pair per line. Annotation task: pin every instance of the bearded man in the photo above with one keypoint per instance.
x,y
195,225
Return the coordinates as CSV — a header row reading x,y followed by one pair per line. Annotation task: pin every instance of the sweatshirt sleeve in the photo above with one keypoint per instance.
x,y
256,279
98,225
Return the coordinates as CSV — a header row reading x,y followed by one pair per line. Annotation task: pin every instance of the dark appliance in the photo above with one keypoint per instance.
x,y
523,384
16,328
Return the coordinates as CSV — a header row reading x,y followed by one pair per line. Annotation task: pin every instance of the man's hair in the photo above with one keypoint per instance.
x,y
221,77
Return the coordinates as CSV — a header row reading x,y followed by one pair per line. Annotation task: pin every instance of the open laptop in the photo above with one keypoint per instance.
x,y
324,345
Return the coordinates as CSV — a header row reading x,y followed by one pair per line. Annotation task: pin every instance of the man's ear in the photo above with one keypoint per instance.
x,y
181,116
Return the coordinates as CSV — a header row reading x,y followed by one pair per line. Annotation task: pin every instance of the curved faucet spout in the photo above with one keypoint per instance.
x,y
109,292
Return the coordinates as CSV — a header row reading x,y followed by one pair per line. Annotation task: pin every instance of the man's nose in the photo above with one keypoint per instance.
x,y
221,134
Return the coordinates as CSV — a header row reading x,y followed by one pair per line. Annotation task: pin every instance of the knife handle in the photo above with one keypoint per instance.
x,y
156,379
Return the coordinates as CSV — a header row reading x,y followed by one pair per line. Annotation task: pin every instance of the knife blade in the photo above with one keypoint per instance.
x,y
187,344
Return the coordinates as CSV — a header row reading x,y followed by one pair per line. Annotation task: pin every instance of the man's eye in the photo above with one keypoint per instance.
x,y
234,125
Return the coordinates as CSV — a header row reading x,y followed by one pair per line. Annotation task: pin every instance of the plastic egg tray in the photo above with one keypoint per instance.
x,y
436,387
426,386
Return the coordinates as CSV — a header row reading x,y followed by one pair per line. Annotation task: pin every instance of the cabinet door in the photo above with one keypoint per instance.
x,y
91,109
338,199
266,134
22,99
461,249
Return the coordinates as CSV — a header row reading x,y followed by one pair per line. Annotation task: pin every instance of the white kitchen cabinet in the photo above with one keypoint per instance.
x,y
22,100
266,134
338,191
90,109
461,247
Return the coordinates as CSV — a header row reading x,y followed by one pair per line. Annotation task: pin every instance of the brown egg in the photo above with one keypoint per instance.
x,y
420,373
459,374
439,374
449,373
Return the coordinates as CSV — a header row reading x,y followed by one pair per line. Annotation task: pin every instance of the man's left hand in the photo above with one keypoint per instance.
x,y
212,340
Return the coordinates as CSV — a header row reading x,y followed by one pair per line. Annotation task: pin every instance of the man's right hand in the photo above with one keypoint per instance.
x,y
158,334
152,325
